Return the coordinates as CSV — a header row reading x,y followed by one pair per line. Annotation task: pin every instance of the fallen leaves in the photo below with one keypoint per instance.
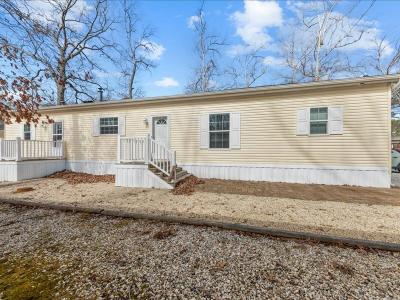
x,y
76,178
24,190
186,186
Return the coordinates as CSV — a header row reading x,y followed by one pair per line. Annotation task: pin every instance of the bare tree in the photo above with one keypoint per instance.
x,y
136,51
385,60
313,47
207,51
386,57
246,69
61,41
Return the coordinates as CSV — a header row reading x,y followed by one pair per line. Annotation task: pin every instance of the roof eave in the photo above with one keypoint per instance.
x,y
236,92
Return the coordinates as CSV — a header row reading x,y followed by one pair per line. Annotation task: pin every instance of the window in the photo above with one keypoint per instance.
x,y
161,121
109,125
1,125
319,120
219,131
57,131
27,132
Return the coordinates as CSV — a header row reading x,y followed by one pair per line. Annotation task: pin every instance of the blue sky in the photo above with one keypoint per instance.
x,y
170,20
244,25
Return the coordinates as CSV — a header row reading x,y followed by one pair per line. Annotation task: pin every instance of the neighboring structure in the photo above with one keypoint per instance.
x,y
327,132
395,142
1,129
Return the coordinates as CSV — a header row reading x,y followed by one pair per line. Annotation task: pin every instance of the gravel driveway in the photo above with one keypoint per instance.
x,y
51,254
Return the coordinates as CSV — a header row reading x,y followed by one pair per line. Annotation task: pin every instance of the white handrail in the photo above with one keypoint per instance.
x,y
147,150
30,149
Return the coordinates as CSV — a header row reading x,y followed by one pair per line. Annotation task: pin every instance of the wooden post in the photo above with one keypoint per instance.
x,y
18,148
119,149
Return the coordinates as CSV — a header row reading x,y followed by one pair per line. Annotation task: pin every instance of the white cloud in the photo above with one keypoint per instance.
x,y
166,82
156,51
253,22
192,20
272,61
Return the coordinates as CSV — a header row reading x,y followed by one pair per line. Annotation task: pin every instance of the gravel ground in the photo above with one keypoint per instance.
x,y
51,254
396,179
355,220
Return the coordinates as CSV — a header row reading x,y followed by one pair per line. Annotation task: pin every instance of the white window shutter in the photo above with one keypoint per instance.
x,y
121,126
96,127
33,132
303,121
335,120
204,132
234,136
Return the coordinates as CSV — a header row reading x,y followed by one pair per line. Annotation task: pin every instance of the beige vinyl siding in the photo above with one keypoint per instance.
x,y
268,129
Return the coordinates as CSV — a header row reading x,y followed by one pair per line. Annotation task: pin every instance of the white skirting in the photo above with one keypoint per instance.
x,y
91,166
345,175
15,171
131,175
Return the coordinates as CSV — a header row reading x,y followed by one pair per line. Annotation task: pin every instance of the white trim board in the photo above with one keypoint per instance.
x,y
308,174
377,177
91,166
138,176
22,170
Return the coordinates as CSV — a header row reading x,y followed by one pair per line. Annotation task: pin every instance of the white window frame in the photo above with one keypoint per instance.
x,y
316,121
105,126
58,134
26,132
219,131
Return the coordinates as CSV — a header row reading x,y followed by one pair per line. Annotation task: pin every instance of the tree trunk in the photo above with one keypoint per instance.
x,y
132,81
61,84
60,94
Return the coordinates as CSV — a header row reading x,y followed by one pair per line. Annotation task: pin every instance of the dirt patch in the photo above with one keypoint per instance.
x,y
24,190
164,233
343,268
314,192
76,178
187,186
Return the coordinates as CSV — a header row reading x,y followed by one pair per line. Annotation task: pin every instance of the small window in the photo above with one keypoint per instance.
x,y
161,121
219,131
109,125
1,125
319,120
57,131
27,132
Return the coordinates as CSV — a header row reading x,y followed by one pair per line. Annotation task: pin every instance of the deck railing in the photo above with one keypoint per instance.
x,y
19,150
149,151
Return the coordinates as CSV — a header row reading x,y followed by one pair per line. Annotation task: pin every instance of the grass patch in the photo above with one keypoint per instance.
x,y
30,278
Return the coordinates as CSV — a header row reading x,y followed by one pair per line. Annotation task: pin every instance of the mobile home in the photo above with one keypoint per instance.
x,y
327,132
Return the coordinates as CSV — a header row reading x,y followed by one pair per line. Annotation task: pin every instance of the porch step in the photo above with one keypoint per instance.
x,y
180,175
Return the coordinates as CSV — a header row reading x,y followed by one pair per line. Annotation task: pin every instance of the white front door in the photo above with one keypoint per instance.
x,y
160,130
